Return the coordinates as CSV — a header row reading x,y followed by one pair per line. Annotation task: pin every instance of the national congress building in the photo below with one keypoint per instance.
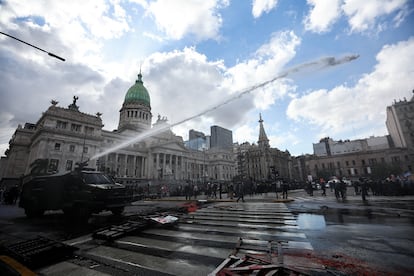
x,y
63,137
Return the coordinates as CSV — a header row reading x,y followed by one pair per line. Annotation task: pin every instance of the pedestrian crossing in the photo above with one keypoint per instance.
x,y
203,239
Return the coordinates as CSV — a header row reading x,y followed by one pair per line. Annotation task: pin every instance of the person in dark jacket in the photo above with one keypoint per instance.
x,y
285,188
240,192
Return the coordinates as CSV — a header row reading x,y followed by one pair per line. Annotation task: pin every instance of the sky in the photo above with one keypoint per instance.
x,y
195,55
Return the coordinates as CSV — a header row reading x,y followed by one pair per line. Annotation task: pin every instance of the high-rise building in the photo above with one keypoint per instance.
x,y
221,138
194,134
197,140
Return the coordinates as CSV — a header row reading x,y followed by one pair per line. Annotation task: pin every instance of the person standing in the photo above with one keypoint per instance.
x,y
220,189
342,189
364,190
285,188
336,188
310,188
214,191
195,191
323,187
240,192
230,191
188,191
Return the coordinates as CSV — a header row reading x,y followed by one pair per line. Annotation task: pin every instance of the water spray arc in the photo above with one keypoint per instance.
x,y
316,65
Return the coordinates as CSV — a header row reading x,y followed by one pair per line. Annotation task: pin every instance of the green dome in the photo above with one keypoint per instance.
x,y
138,93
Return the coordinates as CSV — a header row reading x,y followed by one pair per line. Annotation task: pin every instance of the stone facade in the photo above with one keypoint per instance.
x,y
400,123
65,136
356,165
371,157
261,163
329,147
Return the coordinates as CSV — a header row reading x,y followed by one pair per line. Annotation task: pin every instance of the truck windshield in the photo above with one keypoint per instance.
x,y
96,178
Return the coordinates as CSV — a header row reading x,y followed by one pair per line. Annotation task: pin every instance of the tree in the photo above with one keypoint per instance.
x,y
384,170
325,174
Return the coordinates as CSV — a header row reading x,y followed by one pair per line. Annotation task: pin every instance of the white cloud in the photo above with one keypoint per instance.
x,y
268,60
184,83
322,15
181,83
288,138
344,109
178,18
71,29
363,15
246,133
261,6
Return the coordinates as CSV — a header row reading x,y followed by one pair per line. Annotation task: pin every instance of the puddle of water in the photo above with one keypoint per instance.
x,y
311,221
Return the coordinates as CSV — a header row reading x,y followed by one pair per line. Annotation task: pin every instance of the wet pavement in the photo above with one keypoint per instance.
x,y
351,236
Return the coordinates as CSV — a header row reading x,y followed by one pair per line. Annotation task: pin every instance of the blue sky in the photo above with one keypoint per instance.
x,y
196,54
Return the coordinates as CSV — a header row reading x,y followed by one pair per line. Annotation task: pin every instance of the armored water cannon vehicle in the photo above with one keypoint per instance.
x,y
78,193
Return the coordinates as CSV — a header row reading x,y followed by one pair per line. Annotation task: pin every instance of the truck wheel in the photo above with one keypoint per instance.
x,y
117,211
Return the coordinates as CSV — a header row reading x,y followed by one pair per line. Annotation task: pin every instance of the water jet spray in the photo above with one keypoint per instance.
x,y
316,65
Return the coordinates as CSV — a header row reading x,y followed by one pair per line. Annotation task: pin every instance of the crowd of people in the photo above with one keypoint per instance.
x,y
233,190
391,186
9,195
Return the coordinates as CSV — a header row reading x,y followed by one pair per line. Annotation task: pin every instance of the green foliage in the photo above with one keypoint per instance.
x,y
325,173
384,170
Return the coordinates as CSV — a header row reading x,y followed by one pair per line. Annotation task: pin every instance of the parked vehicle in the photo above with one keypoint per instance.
x,y
77,193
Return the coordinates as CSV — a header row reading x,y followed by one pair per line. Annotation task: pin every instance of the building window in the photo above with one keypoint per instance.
x,y
53,165
61,124
72,148
372,161
395,159
346,163
89,130
57,146
353,162
363,162
338,164
69,164
75,127
85,149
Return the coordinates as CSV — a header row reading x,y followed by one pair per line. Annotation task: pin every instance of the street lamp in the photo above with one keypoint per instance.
x,y
49,53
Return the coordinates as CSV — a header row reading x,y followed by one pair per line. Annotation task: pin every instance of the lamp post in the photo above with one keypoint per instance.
x,y
49,53
204,168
